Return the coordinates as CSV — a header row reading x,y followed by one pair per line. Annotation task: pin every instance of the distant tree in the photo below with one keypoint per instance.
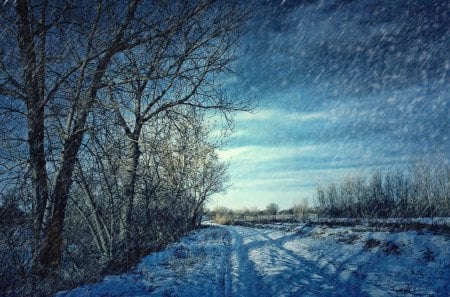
x,y
272,209
300,209
223,215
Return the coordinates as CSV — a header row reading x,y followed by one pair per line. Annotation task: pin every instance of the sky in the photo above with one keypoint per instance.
x,y
343,86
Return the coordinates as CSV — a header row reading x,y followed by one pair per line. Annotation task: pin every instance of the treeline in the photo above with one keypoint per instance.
x,y
421,190
299,212
105,149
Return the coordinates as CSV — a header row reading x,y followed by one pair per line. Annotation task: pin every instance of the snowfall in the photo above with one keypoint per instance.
x,y
288,260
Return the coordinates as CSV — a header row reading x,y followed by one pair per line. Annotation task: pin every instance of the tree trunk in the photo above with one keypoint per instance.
x,y
33,83
52,245
198,212
126,209
38,178
98,227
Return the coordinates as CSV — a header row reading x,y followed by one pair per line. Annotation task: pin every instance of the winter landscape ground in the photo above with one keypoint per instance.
x,y
288,260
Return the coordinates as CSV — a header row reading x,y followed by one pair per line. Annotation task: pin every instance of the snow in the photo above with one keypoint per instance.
x,y
288,260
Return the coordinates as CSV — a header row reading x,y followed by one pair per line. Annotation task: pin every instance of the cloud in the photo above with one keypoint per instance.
x,y
255,153
283,115
311,116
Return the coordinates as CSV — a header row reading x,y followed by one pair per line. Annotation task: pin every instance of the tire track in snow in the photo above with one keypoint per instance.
x,y
246,280
263,266
225,279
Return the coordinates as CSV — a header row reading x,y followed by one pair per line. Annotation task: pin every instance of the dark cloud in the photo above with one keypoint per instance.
x,y
358,47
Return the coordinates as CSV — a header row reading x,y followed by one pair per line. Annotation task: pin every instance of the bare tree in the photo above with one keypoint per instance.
x,y
96,53
194,169
416,191
174,75
272,209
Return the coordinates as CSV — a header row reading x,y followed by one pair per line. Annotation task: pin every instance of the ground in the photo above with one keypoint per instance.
x,y
288,260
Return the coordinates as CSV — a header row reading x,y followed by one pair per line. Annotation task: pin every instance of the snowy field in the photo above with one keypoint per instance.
x,y
288,260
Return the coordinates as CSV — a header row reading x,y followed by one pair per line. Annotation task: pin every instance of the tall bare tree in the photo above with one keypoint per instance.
x,y
61,58
179,69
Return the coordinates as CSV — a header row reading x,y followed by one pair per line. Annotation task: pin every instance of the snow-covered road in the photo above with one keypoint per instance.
x,y
267,262
288,260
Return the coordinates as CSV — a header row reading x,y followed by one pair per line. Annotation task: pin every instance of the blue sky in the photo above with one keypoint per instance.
x,y
343,86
